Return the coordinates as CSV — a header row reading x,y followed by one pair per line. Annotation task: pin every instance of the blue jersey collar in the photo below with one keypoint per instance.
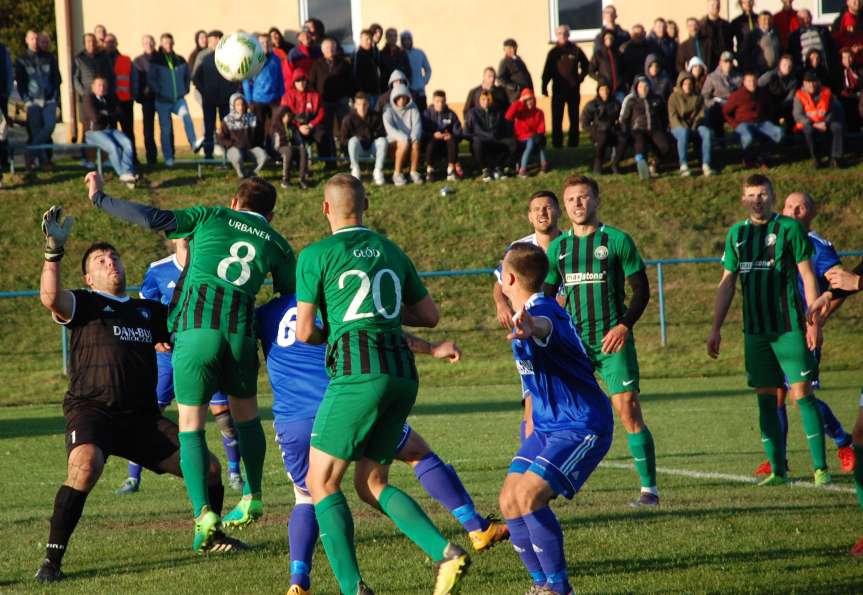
x,y
110,296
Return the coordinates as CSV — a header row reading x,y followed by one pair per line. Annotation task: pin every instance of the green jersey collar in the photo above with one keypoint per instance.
x,y
256,214
773,217
599,227
351,228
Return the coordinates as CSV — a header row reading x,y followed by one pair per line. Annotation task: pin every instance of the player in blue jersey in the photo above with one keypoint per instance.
x,y
299,380
801,206
572,420
159,282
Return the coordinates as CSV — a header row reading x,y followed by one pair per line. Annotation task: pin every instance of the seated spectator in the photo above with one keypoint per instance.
x,y
492,145
512,73
685,116
807,37
600,118
849,86
818,115
656,76
38,78
815,63
691,47
606,65
393,57
367,73
287,141
764,49
442,132
746,111
644,117
397,79
100,129
634,53
529,125
363,133
780,83
718,88
403,124
239,136
498,94
308,114
698,70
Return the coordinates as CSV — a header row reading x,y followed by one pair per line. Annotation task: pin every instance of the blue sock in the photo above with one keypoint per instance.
x,y
135,471
782,411
547,539
832,427
232,453
443,484
302,536
519,536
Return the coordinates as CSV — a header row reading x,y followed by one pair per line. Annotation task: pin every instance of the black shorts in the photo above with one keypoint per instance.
x,y
143,438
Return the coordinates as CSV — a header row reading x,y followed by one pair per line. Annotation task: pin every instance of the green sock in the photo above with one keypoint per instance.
x,y
253,448
644,456
413,522
337,536
194,463
771,433
813,425
858,472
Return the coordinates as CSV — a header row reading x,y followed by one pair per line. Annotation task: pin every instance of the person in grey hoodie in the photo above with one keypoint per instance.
x,y
396,78
656,76
239,136
403,123
717,88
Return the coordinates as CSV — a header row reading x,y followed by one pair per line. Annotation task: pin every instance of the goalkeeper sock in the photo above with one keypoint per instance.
x,y
194,463
68,506
771,434
813,426
253,448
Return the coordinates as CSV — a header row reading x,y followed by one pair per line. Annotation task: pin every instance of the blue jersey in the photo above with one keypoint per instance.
x,y
824,258
559,376
161,279
297,370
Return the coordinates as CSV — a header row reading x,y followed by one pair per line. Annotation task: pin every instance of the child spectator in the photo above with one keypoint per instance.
x,y
289,145
655,73
698,70
491,144
529,124
442,131
600,117
239,136
403,123
308,114
363,133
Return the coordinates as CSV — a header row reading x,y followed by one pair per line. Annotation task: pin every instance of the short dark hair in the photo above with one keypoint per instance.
x,y
256,194
95,247
582,181
765,12
166,36
366,32
360,95
529,263
218,33
374,28
439,93
758,180
510,42
544,194
750,73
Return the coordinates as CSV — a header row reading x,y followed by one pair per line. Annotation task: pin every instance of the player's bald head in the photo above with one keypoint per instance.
x,y
801,207
801,197
345,196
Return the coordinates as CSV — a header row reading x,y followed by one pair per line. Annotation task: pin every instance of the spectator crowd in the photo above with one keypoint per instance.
x,y
760,80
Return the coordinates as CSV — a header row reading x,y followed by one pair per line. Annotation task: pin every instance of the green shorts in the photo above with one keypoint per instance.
x,y
206,361
770,359
619,370
364,416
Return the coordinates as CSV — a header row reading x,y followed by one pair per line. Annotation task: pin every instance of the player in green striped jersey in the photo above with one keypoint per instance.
x,y
366,288
593,261
231,252
766,251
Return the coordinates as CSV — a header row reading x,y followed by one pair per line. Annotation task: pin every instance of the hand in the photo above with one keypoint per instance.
x,y
504,316
304,129
842,279
523,325
94,184
56,232
713,344
814,336
822,126
438,135
447,136
614,339
162,347
447,350
818,310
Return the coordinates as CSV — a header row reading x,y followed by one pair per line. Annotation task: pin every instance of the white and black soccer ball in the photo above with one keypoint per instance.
x,y
239,56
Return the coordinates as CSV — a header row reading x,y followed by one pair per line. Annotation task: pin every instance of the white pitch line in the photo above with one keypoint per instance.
x,y
728,477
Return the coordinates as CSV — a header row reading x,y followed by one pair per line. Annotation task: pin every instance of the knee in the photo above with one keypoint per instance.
x,y
85,467
508,503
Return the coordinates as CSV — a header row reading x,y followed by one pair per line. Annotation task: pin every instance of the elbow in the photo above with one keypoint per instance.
x,y
304,334
433,318
48,299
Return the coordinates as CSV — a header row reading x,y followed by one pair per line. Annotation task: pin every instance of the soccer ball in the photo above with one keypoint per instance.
x,y
239,56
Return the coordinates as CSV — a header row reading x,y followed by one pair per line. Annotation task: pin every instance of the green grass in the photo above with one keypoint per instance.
x,y
709,535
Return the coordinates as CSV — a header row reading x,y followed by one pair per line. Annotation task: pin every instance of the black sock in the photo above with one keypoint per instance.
x,y
216,496
68,505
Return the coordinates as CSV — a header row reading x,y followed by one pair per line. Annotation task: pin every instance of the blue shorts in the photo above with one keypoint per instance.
x,y
563,459
165,384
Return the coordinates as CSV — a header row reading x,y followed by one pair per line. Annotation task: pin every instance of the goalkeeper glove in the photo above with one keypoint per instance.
x,y
56,232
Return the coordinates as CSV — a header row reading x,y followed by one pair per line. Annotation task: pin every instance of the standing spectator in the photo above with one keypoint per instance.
x,y
786,22
239,136
125,87
673,34
685,117
88,64
609,24
659,81
512,71
146,96
492,145
806,38
780,84
307,116
849,85
498,94
420,69
393,57
38,79
367,72
302,55
216,92
566,67
403,124
746,111
818,115
264,92
667,46
529,125
442,132
644,117
316,29
717,35
332,79
848,29
362,132
698,70
169,78
744,25
606,65
200,45
764,47
100,33
281,46
633,54
601,118
377,34
718,88
100,128
692,47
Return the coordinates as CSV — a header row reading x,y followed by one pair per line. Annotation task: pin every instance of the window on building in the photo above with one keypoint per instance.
x,y
829,10
340,17
584,17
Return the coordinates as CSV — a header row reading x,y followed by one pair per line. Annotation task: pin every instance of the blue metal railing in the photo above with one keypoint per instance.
x,y
660,265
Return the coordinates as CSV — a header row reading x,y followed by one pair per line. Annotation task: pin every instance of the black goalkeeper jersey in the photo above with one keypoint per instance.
x,y
112,360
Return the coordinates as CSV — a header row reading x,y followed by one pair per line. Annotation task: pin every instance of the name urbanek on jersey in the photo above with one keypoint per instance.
x,y
246,228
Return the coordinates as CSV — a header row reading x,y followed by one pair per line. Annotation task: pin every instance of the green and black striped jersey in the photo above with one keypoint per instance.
x,y
766,257
593,270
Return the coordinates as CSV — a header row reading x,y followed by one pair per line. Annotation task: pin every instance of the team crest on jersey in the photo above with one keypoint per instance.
x,y
770,240
145,313
601,252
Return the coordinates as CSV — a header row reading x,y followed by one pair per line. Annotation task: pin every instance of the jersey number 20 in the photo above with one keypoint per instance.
x,y
374,287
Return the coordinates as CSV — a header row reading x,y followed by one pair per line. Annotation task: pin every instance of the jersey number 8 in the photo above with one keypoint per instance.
x,y
373,287
243,261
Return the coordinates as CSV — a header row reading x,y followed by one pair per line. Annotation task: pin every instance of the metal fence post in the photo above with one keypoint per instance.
x,y
663,331
65,346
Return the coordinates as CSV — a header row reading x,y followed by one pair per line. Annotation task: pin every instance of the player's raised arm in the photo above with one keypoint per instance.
x,y
60,301
143,215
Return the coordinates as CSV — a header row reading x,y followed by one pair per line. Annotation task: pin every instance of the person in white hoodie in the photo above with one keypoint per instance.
x,y
403,123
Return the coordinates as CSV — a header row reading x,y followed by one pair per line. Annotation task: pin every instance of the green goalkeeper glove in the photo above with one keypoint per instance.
x,y
56,232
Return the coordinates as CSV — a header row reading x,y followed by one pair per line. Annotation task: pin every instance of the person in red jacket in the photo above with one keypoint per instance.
x,y
746,111
529,125
307,112
786,22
